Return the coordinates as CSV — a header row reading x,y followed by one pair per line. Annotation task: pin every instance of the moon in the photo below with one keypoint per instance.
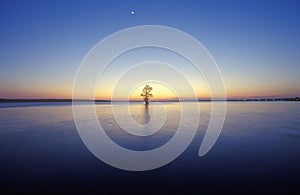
x,y
132,12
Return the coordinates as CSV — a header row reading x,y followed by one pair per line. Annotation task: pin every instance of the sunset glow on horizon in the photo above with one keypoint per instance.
x,y
43,45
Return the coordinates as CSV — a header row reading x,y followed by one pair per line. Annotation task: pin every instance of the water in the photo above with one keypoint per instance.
x,y
258,150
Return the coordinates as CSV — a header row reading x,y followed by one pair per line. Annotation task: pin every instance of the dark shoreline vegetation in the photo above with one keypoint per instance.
x,y
291,99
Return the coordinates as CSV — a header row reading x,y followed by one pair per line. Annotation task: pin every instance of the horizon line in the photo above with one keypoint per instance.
x,y
3,100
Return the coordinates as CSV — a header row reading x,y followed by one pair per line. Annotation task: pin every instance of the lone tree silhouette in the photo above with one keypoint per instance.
x,y
146,94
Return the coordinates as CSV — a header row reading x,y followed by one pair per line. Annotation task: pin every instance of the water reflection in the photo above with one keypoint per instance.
x,y
267,132
140,113
147,117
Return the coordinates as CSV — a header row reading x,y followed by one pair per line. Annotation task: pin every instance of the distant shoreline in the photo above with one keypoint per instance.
x,y
294,99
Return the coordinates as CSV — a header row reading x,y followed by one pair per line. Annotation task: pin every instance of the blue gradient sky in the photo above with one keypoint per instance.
x,y
255,43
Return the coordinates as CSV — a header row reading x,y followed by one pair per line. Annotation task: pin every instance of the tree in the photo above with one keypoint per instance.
x,y
146,94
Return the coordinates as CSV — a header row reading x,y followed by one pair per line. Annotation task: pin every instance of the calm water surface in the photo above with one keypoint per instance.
x,y
258,150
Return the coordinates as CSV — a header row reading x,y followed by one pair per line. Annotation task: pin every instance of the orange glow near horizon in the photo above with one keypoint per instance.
x,y
160,92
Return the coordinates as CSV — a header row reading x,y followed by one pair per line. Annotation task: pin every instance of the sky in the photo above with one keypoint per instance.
x,y
255,44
